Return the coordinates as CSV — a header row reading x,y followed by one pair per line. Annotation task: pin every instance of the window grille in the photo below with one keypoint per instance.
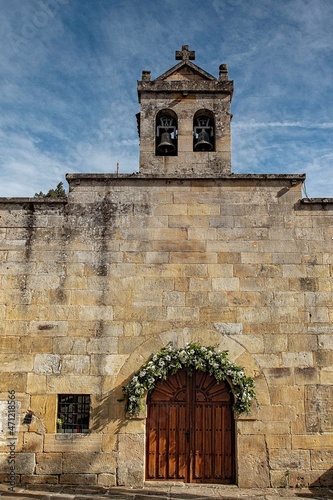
x,y
73,413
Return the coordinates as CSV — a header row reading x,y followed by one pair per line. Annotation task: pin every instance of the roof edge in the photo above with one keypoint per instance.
x,y
105,177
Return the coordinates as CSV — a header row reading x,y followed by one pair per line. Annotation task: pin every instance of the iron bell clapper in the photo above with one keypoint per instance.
x,y
203,143
166,145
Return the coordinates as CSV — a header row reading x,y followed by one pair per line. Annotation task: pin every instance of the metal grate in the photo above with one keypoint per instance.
x,y
73,413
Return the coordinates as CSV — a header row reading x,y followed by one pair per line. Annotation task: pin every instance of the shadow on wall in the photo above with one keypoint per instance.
x,y
107,409
325,480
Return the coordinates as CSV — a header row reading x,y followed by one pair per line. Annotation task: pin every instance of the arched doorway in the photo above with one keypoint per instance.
x,y
190,430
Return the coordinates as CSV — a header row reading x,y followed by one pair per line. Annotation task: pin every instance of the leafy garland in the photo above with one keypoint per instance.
x,y
191,357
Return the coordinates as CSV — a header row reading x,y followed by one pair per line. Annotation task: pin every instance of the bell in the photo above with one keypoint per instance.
x,y
203,143
166,145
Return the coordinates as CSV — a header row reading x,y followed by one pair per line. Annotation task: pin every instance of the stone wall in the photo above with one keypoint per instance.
x,y
93,285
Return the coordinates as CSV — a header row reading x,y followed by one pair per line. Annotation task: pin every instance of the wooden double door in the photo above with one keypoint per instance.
x,y
190,430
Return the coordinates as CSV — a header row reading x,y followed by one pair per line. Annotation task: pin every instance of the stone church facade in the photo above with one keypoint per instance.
x,y
94,284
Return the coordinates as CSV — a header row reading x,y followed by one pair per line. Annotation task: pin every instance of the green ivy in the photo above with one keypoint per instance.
x,y
191,357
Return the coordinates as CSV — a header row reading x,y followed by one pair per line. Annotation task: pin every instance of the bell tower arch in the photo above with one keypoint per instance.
x,y
184,120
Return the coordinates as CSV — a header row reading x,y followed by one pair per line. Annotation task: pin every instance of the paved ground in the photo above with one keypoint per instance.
x,y
162,492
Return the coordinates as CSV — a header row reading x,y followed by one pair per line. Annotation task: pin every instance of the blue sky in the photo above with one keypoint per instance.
x,y
69,70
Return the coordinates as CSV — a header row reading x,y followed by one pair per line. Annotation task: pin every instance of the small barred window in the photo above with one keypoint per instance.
x,y
73,413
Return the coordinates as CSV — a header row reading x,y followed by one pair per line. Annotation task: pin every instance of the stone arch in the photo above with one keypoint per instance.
x,y
204,123
166,132
131,440
237,346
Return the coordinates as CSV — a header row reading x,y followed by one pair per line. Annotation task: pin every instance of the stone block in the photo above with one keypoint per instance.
x,y
48,463
252,462
156,257
275,441
306,478
105,345
279,376
75,384
173,298
79,479
324,358
40,479
36,384
108,364
192,257
305,376
325,341
131,460
16,363
13,381
44,408
95,313
127,345
254,315
229,328
89,463
276,413
182,314
258,427
200,284
220,270
297,359
289,459
321,460
220,284
326,376
298,343
312,442
182,284
279,478
318,408
268,360
32,442
63,443
275,343
24,463
107,480
47,364
67,345
201,233
75,364
174,209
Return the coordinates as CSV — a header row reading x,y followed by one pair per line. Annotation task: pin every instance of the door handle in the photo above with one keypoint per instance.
x,y
187,434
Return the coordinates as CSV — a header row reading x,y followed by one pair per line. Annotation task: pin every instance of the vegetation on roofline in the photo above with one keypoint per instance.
x,y
58,192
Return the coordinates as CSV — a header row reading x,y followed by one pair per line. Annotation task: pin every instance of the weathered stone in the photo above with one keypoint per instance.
x,y
107,480
131,465
47,363
254,464
89,463
66,443
48,463
32,442
79,479
24,463
229,328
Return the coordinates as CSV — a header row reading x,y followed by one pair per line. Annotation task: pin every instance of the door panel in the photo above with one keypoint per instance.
x,y
190,430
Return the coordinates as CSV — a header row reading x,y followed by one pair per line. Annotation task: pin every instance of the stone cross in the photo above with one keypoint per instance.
x,y
185,54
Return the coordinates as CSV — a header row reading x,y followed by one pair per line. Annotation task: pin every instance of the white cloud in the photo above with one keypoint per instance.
x,y
68,95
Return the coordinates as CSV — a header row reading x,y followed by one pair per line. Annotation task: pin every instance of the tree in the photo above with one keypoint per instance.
x,y
58,192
